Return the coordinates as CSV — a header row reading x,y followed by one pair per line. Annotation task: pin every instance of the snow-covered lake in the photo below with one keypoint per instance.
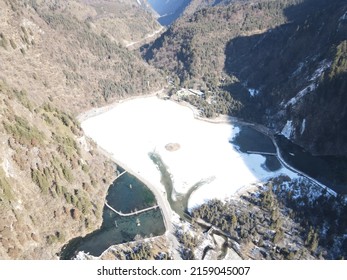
x,y
133,129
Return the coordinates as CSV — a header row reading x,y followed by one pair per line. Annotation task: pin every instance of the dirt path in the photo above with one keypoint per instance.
x,y
131,44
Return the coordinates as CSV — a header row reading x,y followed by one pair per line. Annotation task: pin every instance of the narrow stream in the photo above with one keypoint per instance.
x,y
177,201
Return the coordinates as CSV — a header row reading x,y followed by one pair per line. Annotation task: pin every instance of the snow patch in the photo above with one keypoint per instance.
x,y
324,65
304,187
207,241
7,168
29,24
301,94
138,1
303,126
298,70
343,17
84,143
287,129
253,92
82,256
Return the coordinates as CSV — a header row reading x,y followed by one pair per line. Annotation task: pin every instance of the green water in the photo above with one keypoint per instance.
x,y
117,229
328,170
128,194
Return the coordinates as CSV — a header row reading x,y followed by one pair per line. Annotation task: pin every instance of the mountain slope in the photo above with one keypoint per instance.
x,y
192,51
195,44
299,69
134,19
196,5
52,179
57,61
260,55
44,43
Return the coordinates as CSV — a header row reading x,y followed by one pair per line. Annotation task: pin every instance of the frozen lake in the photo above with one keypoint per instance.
x,y
194,151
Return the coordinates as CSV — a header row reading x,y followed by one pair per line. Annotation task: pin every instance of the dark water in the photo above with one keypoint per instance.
x,y
117,229
249,139
328,170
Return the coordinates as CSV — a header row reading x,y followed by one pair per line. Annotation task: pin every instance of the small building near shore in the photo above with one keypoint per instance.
x,y
183,92
186,92
197,92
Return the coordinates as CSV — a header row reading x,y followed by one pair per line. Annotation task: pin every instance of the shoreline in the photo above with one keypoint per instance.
x,y
157,190
167,213
159,196
267,132
100,110
221,119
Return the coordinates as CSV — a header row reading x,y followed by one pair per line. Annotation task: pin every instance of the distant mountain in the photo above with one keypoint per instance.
x,y
168,10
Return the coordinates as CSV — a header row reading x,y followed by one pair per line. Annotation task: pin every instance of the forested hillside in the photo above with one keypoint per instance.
x,y
280,63
134,19
192,51
299,69
57,59
287,219
52,179
39,42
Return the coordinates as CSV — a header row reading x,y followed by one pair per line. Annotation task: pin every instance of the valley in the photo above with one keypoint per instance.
x,y
147,129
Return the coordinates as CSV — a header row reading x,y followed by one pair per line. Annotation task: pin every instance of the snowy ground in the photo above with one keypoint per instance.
x,y
133,129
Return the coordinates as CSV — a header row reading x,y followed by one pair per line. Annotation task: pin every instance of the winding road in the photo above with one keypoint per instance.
x,y
131,44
